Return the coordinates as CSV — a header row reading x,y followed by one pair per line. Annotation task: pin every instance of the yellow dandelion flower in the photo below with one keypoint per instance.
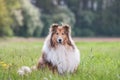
x,y
4,65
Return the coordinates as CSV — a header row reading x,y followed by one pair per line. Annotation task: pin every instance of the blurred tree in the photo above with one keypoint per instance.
x,y
5,20
111,19
32,26
60,15
54,11
47,6
96,17
84,23
88,17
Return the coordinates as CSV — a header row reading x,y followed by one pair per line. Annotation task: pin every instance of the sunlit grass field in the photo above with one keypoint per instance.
x,y
99,61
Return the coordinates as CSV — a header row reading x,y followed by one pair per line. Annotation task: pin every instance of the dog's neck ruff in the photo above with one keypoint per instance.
x,y
66,59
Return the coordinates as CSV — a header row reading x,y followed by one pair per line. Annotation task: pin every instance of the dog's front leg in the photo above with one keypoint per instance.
x,y
41,62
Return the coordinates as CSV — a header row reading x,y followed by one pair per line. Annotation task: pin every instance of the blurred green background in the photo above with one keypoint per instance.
x,y
32,18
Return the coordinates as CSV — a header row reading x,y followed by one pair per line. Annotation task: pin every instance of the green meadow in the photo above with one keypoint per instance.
x,y
99,61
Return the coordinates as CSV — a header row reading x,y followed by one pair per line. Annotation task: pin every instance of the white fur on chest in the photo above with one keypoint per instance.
x,y
66,59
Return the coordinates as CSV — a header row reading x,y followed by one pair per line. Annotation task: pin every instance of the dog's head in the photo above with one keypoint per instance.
x,y
60,35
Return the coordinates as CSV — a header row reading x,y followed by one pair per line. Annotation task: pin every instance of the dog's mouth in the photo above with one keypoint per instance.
x,y
60,42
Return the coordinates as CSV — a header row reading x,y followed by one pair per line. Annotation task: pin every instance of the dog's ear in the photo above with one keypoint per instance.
x,y
67,28
53,27
68,32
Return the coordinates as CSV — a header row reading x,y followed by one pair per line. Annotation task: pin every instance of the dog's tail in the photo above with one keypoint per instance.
x,y
26,70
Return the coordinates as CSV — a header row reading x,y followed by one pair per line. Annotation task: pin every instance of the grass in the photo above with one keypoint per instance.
x,y
99,61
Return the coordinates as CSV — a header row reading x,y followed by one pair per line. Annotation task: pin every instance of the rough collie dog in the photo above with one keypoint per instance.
x,y
59,52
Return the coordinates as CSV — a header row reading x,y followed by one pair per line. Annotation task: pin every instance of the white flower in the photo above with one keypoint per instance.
x,y
23,70
21,73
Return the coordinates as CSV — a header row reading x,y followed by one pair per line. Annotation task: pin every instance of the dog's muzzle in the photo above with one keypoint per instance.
x,y
59,40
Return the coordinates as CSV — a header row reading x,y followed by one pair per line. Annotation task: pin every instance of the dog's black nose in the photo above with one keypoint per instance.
x,y
60,40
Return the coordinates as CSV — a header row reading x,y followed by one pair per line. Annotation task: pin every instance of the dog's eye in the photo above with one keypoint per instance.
x,y
56,33
62,33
